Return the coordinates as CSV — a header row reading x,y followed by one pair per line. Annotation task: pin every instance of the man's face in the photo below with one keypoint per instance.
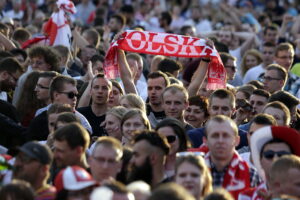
x,y
271,36
141,168
104,163
272,82
114,25
39,63
285,59
278,114
258,102
155,89
8,81
221,140
26,168
101,89
42,89
266,159
174,104
86,55
268,55
219,106
225,37
230,69
63,96
64,155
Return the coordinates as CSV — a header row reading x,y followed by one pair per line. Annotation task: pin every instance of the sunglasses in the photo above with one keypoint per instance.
x,y
70,95
171,138
270,154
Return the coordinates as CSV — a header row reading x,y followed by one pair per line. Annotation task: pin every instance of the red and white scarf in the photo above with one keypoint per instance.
x,y
254,193
237,176
168,45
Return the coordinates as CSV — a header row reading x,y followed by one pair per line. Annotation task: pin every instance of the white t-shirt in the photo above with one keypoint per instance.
x,y
253,73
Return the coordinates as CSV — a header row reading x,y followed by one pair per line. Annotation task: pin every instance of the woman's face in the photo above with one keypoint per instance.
x,y
131,125
190,177
172,138
251,61
114,97
195,116
113,126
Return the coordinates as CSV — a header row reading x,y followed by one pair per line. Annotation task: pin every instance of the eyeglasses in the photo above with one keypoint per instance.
x,y
270,154
233,68
189,153
41,87
268,78
171,138
70,95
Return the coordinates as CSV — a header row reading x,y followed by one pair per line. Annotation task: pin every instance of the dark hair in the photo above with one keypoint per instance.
x,y
116,187
50,56
261,92
223,94
178,129
257,84
170,191
247,90
67,117
158,74
5,54
74,134
282,73
117,85
166,16
59,108
11,65
169,65
57,84
272,27
63,51
21,52
286,98
121,19
264,119
153,138
225,57
201,102
21,34
17,190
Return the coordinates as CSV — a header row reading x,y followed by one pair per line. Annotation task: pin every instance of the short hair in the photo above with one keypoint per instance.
x,y
59,108
223,94
169,65
49,74
166,16
222,119
269,44
170,191
157,74
96,58
247,90
185,28
201,102
261,92
133,112
10,65
264,119
257,84
281,166
63,51
50,56
284,47
281,106
134,56
21,52
74,134
117,111
94,35
101,75
5,54
17,189
178,129
121,19
226,56
58,83
154,139
21,34
67,117
273,27
219,194
282,73
110,142
175,88
135,101
198,162
286,98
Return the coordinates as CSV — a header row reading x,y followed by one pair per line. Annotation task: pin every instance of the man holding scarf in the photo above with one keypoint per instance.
x,y
228,169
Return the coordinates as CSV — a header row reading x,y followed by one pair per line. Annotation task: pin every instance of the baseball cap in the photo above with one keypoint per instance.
x,y
73,178
37,151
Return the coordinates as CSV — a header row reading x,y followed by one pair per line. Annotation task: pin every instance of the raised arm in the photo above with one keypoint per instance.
x,y
125,73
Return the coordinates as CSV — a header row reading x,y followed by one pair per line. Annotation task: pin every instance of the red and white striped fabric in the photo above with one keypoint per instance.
x,y
169,45
57,28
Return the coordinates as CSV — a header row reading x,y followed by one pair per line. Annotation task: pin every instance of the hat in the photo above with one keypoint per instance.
x,y
37,151
73,178
266,134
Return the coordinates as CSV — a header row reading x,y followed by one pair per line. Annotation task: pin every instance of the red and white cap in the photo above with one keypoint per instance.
x,y
73,178
265,134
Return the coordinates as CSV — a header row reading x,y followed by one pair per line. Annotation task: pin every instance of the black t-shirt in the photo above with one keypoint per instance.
x,y
94,120
9,110
158,115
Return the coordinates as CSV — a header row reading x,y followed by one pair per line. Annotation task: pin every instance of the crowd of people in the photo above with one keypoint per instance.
x,y
67,132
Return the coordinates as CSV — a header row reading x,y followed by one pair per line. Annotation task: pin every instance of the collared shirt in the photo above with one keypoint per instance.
x,y
218,177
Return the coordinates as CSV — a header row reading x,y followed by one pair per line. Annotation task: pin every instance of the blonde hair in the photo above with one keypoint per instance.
x,y
252,52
